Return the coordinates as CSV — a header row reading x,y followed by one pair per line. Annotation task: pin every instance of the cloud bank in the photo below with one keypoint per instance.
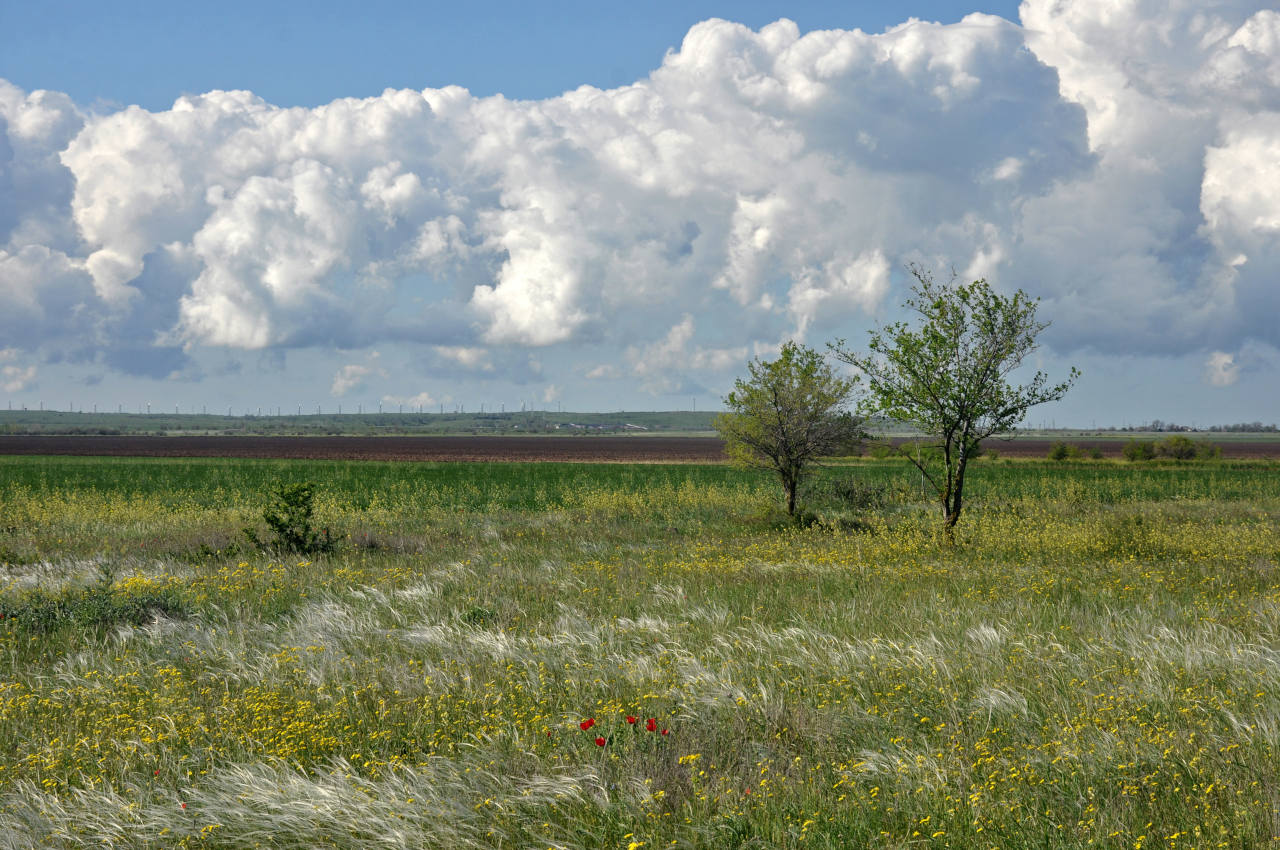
x,y
1119,160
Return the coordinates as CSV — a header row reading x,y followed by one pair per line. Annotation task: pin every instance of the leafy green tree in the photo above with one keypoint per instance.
x,y
950,376
790,412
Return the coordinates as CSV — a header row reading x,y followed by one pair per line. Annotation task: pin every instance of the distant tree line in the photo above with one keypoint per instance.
x,y
1158,426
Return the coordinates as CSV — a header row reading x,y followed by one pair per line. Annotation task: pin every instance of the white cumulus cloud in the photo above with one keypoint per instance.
x,y
1221,370
15,377
1116,159
354,375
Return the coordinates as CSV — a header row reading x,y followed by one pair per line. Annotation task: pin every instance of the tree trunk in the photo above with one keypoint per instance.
x,y
791,498
954,504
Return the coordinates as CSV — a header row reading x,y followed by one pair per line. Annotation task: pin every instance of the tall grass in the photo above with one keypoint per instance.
x,y
1096,664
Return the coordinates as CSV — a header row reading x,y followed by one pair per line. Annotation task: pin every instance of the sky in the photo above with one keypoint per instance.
x,y
601,206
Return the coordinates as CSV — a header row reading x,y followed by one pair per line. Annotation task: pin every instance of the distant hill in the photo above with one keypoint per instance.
x,y
358,424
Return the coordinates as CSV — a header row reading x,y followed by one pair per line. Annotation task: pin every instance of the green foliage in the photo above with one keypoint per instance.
x,y
1174,447
787,415
949,377
1208,451
1136,450
98,605
478,615
1061,451
290,516
1177,447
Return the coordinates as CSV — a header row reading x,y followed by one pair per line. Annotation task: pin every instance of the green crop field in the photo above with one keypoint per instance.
x,y
625,656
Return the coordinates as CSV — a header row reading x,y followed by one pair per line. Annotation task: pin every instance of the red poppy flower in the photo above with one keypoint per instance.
x,y
665,731
651,725
588,723
631,720
600,742
184,805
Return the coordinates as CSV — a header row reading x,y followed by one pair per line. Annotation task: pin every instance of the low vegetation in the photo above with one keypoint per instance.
x,y
628,656
1176,447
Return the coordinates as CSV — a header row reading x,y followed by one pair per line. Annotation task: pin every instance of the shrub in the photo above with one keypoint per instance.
x,y
1137,450
1177,447
1065,451
289,516
1208,451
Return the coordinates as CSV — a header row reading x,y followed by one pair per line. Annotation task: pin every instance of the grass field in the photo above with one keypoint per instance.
x,y
1096,664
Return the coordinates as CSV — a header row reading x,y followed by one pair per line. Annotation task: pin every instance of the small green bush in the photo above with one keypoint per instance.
x,y
1174,447
290,516
1138,450
1177,447
1208,451
1065,451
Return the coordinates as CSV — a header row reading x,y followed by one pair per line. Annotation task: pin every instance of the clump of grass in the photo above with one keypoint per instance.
x,y
101,605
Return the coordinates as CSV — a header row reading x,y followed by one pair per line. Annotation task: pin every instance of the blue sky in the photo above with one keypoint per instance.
x,y
307,54
191,214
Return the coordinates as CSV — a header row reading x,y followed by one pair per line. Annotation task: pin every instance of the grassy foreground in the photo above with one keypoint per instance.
x,y
1096,664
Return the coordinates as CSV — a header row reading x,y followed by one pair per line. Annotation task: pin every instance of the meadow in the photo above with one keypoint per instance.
x,y
625,656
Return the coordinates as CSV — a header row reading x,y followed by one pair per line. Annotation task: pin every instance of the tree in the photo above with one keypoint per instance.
x,y
949,378
789,413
